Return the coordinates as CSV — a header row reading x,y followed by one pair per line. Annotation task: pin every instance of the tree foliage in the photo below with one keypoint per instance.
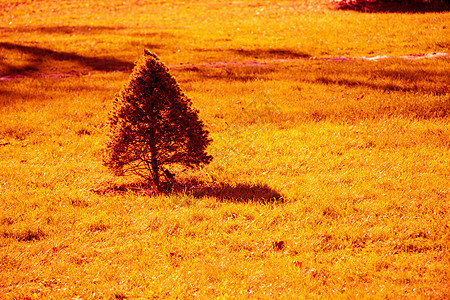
x,y
153,125
395,5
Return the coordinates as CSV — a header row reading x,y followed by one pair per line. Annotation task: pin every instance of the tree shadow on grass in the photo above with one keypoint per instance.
x,y
239,192
39,54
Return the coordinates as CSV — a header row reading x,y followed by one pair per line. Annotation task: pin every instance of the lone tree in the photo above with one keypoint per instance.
x,y
153,125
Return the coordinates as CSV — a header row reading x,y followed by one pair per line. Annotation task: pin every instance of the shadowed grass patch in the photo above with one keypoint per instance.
x,y
99,225
239,192
24,235
271,53
318,90
79,30
39,56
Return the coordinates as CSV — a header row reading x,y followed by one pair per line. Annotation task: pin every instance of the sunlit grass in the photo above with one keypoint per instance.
x,y
330,179
363,193
37,33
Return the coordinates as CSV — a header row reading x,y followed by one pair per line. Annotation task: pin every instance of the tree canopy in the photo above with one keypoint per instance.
x,y
153,125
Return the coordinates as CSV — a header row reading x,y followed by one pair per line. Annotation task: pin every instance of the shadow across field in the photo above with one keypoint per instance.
x,y
241,73
239,192
382,86
383,78
83,30
90,30
270,53
40,54
393,75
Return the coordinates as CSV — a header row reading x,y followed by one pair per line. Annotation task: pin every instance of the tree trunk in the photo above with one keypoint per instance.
x,y
155,167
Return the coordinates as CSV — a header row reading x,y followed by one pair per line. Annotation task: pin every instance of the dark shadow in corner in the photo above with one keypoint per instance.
x,y
198,189
399,6
95,63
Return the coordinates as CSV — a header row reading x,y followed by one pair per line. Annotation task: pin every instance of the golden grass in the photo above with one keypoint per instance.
x,y
330,179
42,36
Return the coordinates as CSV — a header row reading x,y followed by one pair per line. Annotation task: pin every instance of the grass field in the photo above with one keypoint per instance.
x,y
331,179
